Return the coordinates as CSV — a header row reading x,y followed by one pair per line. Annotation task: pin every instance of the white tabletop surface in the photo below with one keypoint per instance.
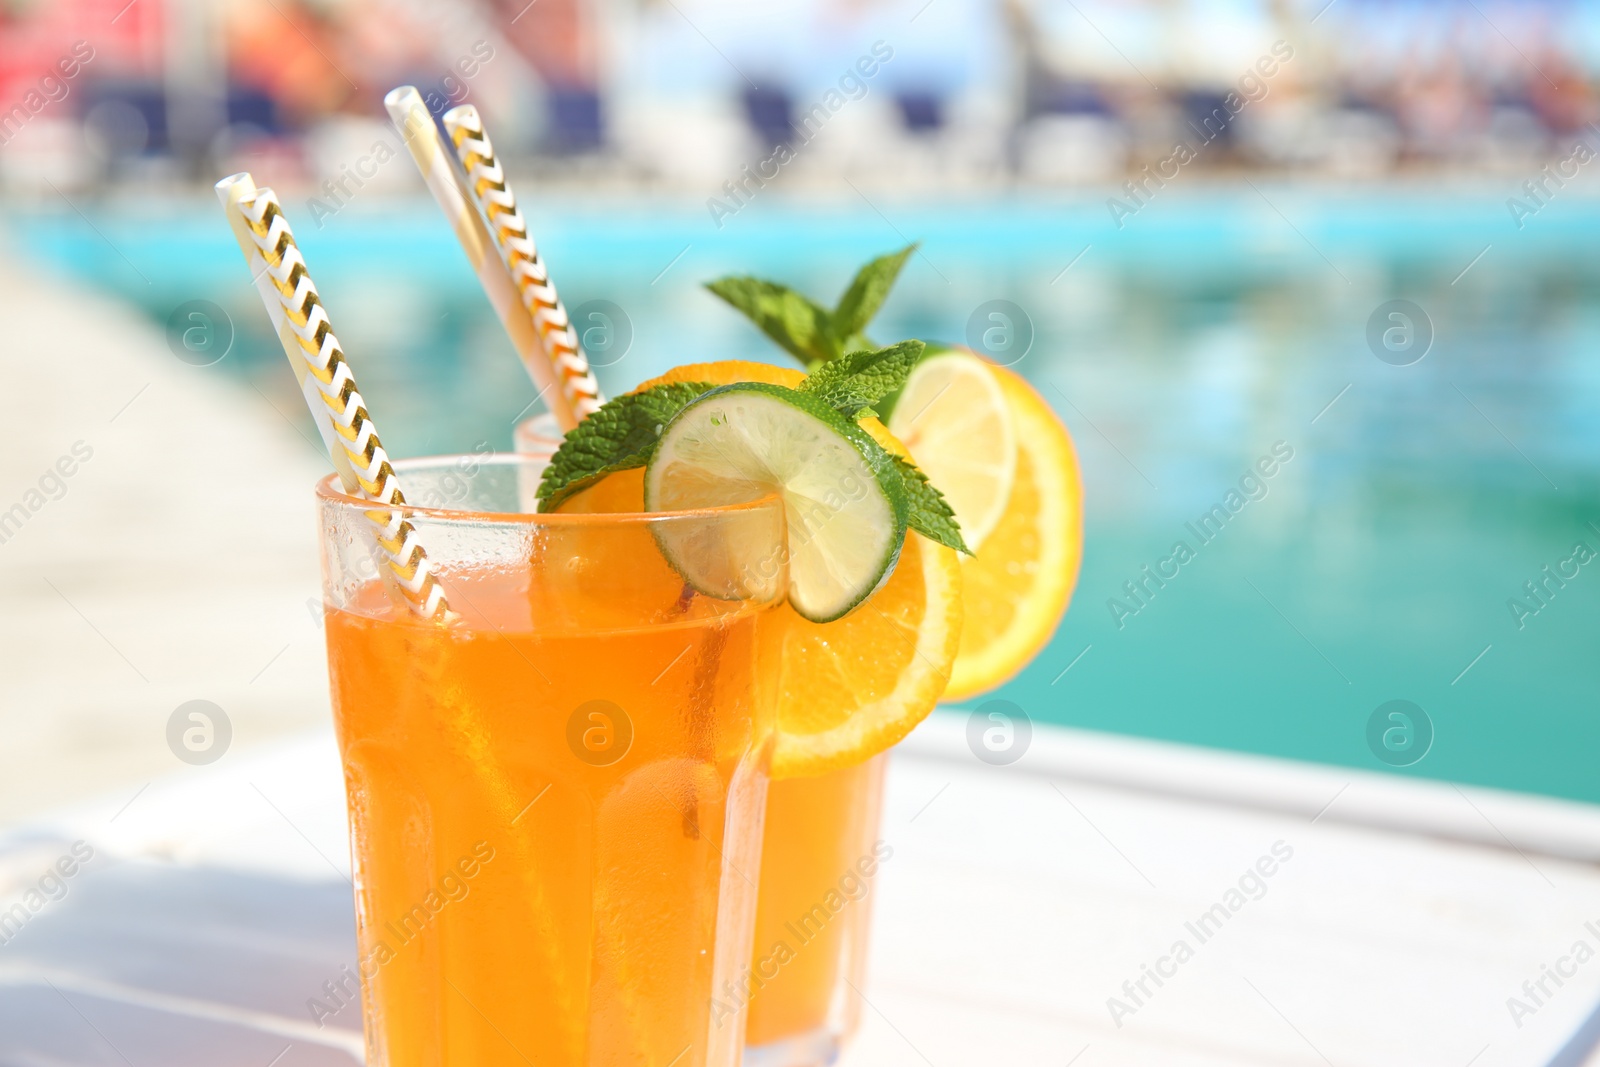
x,y
1017,902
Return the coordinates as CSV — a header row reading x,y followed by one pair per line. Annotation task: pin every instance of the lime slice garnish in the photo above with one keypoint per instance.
x,y
844,502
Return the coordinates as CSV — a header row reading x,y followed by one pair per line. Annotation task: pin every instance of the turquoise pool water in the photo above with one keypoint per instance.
x,y
1376,563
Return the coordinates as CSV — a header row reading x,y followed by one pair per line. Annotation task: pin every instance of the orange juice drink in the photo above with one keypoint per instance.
x,y
555,797
819,863
819,869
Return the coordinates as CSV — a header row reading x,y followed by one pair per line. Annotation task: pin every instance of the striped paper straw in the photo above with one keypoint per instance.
x,y
489,190
326,382
449,188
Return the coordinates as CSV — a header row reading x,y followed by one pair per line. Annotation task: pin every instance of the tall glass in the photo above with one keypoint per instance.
x,y
556,799
819,869
819,866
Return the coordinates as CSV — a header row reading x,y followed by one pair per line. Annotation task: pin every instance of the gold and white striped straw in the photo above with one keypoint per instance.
x,y
327,384
449,188
491,192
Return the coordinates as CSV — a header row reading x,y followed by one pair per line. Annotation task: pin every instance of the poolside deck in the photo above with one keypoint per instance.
x,y
1017,902
128,590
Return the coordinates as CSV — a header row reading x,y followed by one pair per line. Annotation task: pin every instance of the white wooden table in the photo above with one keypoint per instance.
x,y
1018,902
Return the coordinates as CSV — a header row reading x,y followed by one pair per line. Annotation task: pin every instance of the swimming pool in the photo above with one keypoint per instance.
x,y
1408,505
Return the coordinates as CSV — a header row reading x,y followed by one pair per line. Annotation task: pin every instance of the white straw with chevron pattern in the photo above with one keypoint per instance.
x,y
491,192
302,325
449,188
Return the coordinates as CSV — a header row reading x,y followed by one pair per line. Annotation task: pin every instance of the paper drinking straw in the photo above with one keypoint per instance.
x,y
329,388
489,190
318,361
449,188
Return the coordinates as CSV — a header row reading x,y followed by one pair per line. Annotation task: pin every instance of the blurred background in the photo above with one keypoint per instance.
x,y
1353,238
1186,221
678,96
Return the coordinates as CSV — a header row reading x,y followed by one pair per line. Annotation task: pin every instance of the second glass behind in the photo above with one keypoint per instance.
x,y
556,797
818,865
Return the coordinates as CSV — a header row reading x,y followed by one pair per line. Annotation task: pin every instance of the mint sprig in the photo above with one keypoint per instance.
x,y
624,433
866,293
853,383
803,328
620,436
930,515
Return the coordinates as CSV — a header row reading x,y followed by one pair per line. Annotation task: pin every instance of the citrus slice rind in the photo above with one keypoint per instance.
x,y
1017,587
852,688
844,504
955,419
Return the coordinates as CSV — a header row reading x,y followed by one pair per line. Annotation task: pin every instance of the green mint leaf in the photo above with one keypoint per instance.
x,y
887,404
930,513
620,436
866,293
852,384
801,327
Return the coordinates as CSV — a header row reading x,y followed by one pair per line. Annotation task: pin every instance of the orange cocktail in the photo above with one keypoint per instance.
x,y
819,869
556,797
819,862
819,865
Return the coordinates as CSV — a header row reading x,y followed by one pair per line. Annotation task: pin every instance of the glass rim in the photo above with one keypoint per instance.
x,y
329,489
